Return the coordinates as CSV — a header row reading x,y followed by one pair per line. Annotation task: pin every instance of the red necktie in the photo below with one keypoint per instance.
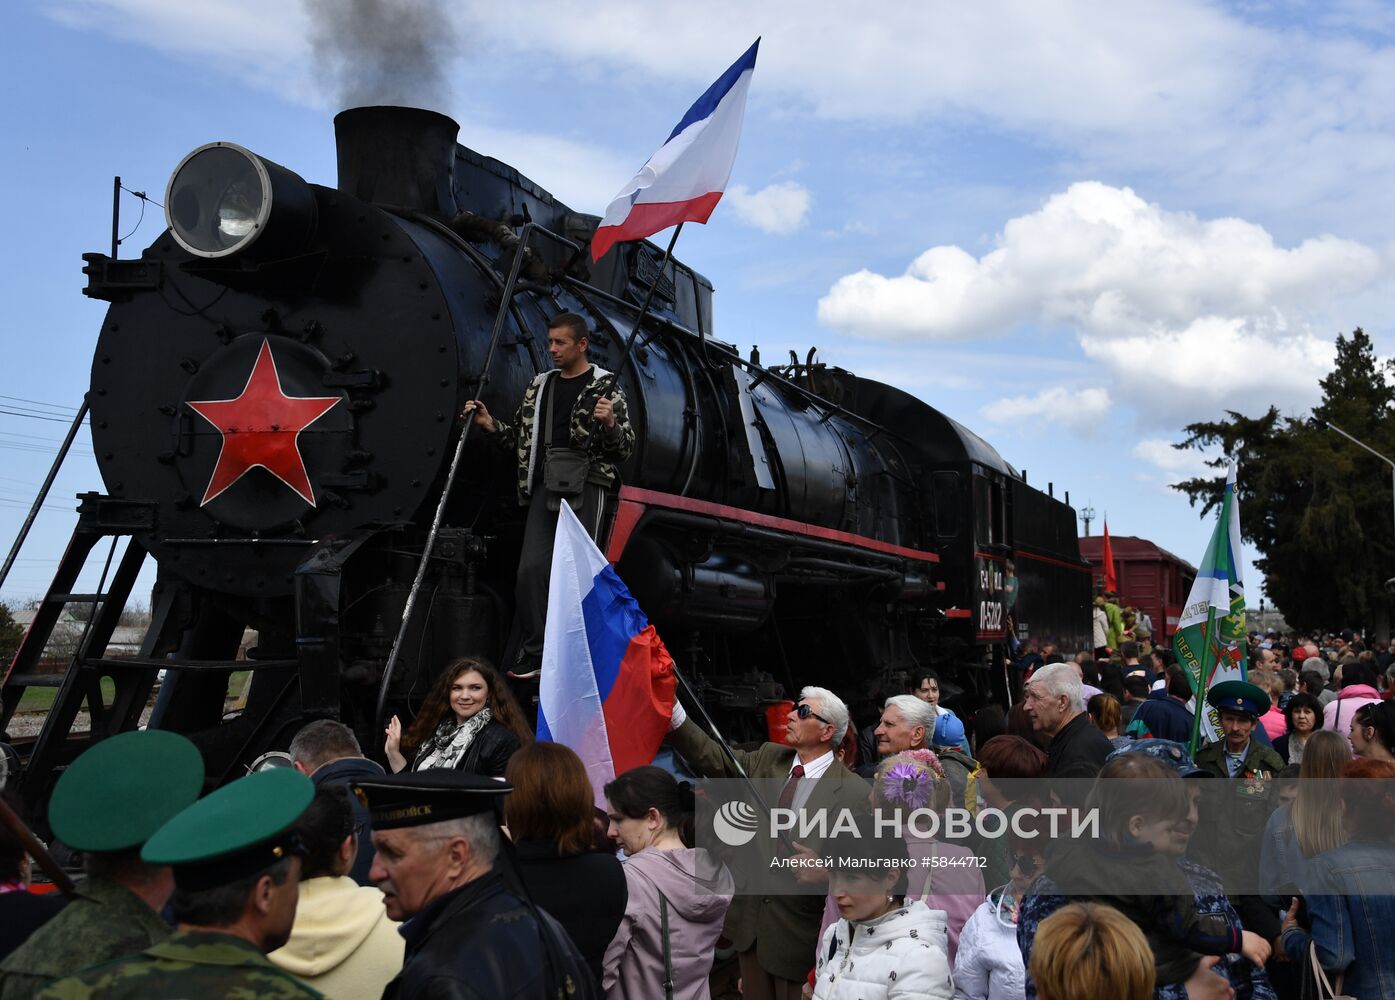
x,y
787,793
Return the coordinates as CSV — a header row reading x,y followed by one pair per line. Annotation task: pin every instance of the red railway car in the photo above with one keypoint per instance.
x,y
1150,578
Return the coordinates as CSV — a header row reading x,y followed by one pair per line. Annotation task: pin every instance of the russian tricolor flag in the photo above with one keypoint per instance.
x,y
607,685
685,178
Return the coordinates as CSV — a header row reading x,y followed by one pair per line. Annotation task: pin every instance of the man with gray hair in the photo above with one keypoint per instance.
x,y
776,934
327,752
438,840
907,724
1053,701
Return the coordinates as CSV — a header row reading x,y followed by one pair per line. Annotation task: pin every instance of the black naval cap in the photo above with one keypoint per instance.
x,y
431,796
243,828
121,790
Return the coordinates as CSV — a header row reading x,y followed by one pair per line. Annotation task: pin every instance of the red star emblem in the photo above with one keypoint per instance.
x,y
261,428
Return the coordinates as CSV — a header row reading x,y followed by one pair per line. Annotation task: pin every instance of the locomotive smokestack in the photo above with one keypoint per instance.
x,y
403,157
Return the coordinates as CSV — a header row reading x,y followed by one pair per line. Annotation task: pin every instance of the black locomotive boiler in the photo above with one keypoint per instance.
x,y
275,399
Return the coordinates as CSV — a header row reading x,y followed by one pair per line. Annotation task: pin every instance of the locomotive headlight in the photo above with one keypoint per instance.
x,y
223,199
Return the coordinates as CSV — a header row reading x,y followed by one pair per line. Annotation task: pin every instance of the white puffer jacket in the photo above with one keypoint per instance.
x,y
902,955
989,963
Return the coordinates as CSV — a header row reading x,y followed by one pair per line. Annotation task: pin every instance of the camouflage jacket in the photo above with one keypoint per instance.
x,y
189,964
104,921
607,449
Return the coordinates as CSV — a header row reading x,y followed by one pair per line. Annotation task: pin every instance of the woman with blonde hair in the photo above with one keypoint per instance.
x,y
1091,950
1104,713
469,722
1351,905
1311,825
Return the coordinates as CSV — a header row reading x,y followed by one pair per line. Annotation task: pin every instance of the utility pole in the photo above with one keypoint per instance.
x,y
1087,514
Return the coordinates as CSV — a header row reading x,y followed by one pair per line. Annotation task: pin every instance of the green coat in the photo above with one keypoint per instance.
x,y
607,449
1234,812
1115,617
190,964
104,921
783,929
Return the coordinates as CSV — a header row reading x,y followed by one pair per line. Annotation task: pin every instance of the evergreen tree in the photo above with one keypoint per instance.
x,y
1318,509
11,633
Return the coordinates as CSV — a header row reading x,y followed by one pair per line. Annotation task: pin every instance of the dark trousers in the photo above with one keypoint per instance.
x,y
535,561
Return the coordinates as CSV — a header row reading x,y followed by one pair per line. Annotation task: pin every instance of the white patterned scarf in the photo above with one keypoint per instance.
x,y
448,744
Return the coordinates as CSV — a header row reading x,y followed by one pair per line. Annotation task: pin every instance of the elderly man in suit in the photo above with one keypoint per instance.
x,y
776,935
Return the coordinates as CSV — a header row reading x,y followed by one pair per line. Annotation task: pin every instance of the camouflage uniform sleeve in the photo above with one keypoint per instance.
x,y
505,434
618,442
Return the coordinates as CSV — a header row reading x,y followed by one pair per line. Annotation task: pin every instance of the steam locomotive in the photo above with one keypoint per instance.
x,y
276,396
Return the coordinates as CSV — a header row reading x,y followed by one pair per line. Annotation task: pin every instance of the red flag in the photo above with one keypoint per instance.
x,y
1111,582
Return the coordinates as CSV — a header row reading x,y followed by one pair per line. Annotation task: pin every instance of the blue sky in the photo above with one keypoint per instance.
x,y
1073,227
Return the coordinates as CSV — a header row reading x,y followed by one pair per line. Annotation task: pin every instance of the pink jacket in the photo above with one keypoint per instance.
x,y
1274,723
1338,714
698,891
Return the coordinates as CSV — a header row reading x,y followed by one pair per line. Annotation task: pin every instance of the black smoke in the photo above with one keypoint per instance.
x,y
395,52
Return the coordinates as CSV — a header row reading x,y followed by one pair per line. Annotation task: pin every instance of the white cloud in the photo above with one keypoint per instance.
x,y
1160,453
1104,261
1286,113
1078,409
779,209
1205,310
583,176
1216,362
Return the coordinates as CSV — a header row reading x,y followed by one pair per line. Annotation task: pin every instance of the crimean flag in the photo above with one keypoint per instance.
x,y
607,685
1210,643
1111,582
685,178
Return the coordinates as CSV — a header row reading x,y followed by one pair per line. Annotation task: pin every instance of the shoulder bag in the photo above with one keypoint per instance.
x,y
668,958
1325,989
564,469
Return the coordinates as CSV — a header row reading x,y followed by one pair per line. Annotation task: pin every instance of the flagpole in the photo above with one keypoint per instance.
x,y
644,308
717,737
1204,680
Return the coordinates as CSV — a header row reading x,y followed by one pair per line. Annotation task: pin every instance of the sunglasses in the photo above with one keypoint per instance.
x,y
804,712
1028,863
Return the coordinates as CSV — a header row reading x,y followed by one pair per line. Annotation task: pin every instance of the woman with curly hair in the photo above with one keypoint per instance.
x,y
469,722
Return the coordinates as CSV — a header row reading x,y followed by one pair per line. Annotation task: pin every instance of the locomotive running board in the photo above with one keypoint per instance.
x,y
635,503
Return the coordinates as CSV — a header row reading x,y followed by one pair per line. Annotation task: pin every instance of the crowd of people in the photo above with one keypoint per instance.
x,y
479,863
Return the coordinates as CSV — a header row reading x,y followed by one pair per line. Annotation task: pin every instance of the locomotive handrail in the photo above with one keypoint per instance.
x,y
43,490
480,383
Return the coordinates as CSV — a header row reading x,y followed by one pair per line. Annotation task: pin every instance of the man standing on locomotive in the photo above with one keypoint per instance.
x,y
570,434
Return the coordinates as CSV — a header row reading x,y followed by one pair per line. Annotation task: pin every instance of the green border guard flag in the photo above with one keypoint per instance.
x,y
1210,641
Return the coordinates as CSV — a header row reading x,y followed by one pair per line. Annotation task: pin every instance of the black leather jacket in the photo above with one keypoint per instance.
x,y
488,753
480,942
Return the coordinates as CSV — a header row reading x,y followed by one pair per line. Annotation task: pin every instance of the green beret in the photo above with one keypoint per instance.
x,y
1238,696
122,789
242,828
431,796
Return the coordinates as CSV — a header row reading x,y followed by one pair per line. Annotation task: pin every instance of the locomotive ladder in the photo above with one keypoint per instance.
x,y
98,517
133,678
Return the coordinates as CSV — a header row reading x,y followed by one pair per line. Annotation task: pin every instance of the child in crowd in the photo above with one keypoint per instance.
x,y
1131,869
